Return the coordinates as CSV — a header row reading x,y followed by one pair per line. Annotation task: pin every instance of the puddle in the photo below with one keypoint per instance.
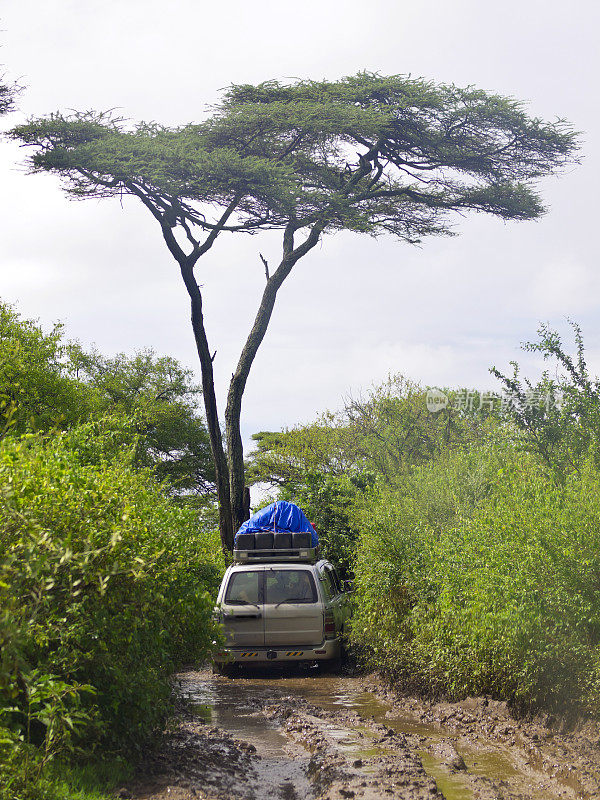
x,y
490,764
203,711
351,741
452,786
233,708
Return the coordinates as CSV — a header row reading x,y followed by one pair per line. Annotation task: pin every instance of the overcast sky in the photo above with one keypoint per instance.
x,y
356,308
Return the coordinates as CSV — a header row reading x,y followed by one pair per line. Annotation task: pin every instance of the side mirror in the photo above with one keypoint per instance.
x,y
348,586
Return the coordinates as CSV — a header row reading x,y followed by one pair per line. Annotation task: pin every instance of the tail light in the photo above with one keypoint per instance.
x,y
329,625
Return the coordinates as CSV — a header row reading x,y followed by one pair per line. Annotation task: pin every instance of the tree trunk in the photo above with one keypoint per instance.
x,y
186,265
233,410
226,528
246,503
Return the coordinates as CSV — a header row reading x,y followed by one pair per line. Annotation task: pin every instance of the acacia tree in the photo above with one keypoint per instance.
x,y
366,153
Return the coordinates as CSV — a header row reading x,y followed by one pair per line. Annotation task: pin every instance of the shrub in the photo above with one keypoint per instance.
x,y
482,576
36,391
105,586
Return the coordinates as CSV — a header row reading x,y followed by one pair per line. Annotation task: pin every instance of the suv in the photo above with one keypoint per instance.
x,y
278,608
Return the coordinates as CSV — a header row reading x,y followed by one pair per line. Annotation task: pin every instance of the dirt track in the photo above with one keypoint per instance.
x,y
304,735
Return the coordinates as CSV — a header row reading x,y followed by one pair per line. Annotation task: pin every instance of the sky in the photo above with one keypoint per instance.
x,y
355,309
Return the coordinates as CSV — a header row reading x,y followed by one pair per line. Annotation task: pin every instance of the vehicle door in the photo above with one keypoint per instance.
x,y
337,602
292,609
243,609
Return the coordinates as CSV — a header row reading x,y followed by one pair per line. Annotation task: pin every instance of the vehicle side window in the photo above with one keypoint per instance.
x,y
328,585
243,589
290,586
333,583
336,581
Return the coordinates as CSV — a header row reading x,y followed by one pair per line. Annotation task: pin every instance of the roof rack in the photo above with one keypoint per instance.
x,y
297,554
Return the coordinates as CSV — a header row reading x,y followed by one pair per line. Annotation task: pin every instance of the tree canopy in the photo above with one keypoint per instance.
x,y
161,399
49,384
349,149
367,153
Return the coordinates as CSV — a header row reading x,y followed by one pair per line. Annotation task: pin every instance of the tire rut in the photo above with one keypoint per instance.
x,y
301,735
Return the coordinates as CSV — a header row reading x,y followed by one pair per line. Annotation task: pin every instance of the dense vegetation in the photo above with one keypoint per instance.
x,y
327,466
474,535
106,570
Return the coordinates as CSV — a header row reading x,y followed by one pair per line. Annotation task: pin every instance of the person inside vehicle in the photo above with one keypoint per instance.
x,y
289,586
302,590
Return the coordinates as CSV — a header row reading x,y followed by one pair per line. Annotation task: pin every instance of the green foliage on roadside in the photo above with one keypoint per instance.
x,y
475,538
161,399
565,429
327,467
47,383
98,779
107,584
312,467
106,578
36,390
483,578
479,572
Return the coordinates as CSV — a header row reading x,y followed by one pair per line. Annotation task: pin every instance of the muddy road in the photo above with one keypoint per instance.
x,y
285,735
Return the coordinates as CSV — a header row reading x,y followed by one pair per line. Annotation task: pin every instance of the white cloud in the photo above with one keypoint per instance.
x,y
566,287
354,309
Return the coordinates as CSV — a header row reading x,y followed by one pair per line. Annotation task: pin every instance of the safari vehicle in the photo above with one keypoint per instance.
x,y
279,602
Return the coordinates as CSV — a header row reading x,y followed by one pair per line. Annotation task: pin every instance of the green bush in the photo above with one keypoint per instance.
x,y
105,588
47,383
482,576
36,390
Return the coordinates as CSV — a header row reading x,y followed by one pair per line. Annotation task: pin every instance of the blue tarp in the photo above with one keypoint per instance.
x,y
280,517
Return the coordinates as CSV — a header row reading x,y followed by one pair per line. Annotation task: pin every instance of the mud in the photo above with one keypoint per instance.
x,y
301,734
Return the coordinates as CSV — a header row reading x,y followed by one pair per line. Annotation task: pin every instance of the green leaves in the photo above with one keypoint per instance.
x,y
46,383
328,466
94,556
482,575
35,388
367,152
564,431
7,96
161,401
93,559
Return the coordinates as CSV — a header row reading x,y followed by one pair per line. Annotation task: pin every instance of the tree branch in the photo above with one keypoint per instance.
x,y
266,263
208,243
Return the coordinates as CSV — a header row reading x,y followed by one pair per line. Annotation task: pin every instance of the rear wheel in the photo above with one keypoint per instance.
x,y
348,660
223,669
331,665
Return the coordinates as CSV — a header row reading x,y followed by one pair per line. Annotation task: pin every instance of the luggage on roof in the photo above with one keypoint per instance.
x,y
279,532
279,517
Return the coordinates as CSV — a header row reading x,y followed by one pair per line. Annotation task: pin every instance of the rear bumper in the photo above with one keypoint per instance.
x,y
330,648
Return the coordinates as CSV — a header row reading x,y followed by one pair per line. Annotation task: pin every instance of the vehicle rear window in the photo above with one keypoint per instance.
x,y
290,586
243,589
